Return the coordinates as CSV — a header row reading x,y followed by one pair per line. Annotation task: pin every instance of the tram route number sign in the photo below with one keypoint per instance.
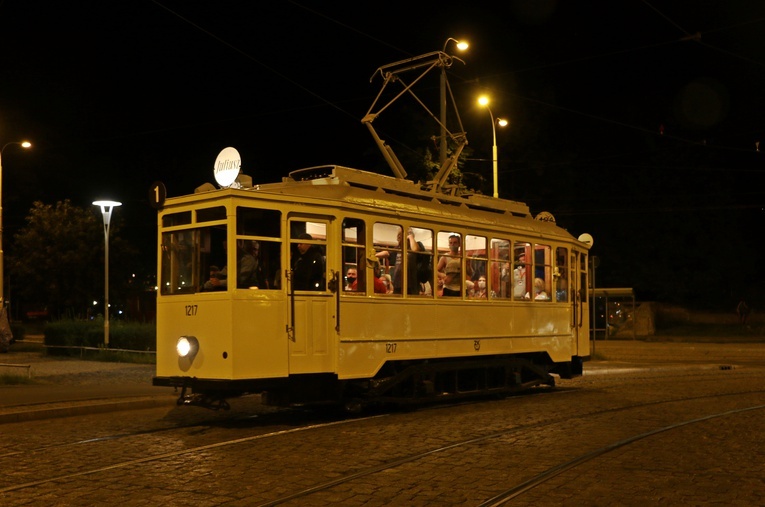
x,y
157,195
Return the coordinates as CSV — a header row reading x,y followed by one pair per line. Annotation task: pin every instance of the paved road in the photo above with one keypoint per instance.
x,y
676,407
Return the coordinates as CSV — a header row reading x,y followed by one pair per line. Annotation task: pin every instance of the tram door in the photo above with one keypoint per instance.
x,y
311,325
581,312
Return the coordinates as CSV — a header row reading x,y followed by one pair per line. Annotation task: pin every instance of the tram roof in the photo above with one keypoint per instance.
x,y
363,188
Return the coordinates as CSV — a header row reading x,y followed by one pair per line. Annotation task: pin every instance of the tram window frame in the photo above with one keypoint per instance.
x,y
523,248
319,233
354,255
501,269
584,285
387,248
212,214
423,256
543,271
176,219
476,261
262,226
560,274
443,239
188,275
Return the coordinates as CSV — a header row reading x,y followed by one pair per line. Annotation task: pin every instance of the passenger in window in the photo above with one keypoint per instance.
x,y
387,282
539,290
453,278
479,290
217,279
351,283
308,266
455,246
250,274
519,278
398,271
381,287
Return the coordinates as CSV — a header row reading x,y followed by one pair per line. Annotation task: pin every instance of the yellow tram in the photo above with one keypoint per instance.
x,y
337,285
329,340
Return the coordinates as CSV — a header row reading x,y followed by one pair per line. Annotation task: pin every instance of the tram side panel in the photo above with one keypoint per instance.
x,y
374,331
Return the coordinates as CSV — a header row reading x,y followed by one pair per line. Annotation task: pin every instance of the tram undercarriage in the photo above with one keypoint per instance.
x,y
397,383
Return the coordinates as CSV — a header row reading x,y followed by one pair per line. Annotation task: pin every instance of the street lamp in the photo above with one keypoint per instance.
x,y
462,46
484,101
106,211
23,144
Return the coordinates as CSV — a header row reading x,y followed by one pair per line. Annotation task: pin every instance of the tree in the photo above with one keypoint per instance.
x,y
57,261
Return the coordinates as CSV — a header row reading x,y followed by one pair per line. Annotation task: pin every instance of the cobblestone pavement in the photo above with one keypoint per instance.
x,y
698,444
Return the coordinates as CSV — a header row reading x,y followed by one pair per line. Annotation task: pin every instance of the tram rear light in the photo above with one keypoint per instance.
x,y
187,346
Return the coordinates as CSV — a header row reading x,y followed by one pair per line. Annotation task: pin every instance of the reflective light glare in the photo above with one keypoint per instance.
x,y
187,346
183,346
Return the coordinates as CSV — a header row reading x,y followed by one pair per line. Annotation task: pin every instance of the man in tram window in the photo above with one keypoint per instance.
x,y
250,273
351,282
453,278
308,266
398,263
455,252
519,278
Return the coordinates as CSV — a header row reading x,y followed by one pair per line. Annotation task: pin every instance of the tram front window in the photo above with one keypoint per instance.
x,y
194,260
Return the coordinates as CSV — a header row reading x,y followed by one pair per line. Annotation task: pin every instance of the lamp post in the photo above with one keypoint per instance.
x,y
484,101
462,46
106,211
23,144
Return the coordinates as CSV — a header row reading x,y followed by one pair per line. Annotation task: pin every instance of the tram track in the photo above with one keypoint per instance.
x,y
517,490
412,458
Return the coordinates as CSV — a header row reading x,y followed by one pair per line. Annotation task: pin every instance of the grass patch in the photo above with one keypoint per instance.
x,y
118,356
13,380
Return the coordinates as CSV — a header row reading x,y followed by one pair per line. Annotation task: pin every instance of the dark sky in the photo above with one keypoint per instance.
x,y
628,118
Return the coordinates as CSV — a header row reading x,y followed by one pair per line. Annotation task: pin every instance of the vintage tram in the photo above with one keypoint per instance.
x,y
337,285
334,341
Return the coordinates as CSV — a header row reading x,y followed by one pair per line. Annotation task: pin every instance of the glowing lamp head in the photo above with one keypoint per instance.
x,y
187,346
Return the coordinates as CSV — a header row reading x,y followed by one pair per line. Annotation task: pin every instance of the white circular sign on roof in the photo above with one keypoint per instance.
x,y
227,166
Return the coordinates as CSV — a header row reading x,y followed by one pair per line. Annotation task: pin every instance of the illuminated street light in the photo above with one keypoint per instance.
x,y
106,211
484,101
462,46
23,144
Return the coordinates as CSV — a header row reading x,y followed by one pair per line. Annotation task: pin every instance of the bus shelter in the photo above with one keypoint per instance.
x,y
613,312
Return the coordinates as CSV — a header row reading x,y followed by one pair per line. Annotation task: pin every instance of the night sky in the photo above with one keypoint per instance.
x,y
637,122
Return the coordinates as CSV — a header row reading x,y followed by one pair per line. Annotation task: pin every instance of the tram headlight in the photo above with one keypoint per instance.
x,y
187,346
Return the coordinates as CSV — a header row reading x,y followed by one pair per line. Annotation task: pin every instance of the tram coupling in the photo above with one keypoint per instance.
x,y
202,400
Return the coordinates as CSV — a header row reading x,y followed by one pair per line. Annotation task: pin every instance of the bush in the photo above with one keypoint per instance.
x,y
90,333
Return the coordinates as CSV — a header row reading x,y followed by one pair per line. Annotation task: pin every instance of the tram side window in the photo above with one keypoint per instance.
x,y
522,279
500,269
354,260
258,248
475,251
308,250
422,258
386,239
542,272
560,273
451,279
